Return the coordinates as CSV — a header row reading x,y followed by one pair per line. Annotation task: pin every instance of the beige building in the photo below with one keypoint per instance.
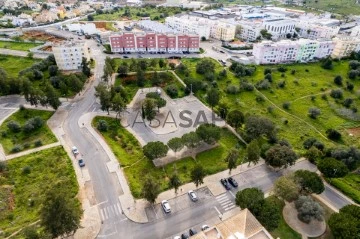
x,y
223,31
69,55
344,45
240,226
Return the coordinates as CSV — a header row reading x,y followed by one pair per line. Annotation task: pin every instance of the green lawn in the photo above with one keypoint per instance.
x,y
349,185
13,65
283,230
343,7
129,153
24,140
21,46
24,184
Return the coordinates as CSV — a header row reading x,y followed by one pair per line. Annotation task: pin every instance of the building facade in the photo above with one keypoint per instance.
x,y
187,26
287,51
316,31
223,31
344,45
154,42
68,56
279,28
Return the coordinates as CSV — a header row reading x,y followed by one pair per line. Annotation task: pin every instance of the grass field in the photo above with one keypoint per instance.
x,y
21,46
343,7
283,230
10,139
26,180
129,153
13,65
349,185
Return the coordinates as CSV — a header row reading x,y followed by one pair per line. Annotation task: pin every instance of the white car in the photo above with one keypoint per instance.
x,y
166,206
74,150
177,237
192,196
204,227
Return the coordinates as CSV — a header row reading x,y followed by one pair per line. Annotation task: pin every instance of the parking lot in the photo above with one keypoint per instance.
x,y
177,204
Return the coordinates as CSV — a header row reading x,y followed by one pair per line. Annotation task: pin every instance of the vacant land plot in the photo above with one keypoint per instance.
x,y
129,153
26,180
20,46
19,139
344,7
13,65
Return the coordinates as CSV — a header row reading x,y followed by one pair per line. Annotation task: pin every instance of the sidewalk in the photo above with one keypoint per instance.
x,y
11,156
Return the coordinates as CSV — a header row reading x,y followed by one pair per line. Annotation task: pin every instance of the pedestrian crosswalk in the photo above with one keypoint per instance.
x,y
225,202
110,211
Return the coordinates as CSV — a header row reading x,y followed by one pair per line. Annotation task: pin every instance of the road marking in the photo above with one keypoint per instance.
x,y
217,210
102,215
105,214
232,194
223,200
221,196
119,208
226,203
229,208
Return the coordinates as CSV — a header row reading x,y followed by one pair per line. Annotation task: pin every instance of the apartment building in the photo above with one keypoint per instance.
x,y
316,31
69,55
287,51
186,26
249,31
279,28
344,45
355,32
223,31
153,42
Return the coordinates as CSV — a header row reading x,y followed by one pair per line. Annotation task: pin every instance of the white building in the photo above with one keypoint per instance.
x,y
355,32
88,28
314,31
279,28
287,51
187,26
69,55
344,45
249,31
223,31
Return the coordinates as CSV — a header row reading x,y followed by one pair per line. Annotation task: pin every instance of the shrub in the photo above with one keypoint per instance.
x,y
38,143
259,98
308,209
354,64
332,168
349,86
269,77
314,112
336,94
102,126
263,85
347,102
324,96
26,170
281,84
17,148
333,134
338,80
282,69
3,166
327,64
14,126
270,109
267,71
232,89
286,105
172,91
353,74
293,72
246,86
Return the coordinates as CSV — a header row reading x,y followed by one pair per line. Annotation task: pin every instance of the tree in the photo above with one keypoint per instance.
x,y
151,189
336,94
14,126
30,55
205,66
333,134
265,34
253,152
162,63
308,209
197,175
149,106
279,156
312,154
140,78
310,182
338,80
191,140
176,144
90,18
327,64
85,67
209,133
53,70
286,188
250,198
123,70
118,105
213,97
60,215
232,158
235,118
160,103
332,168
257,126
353,74
344,225
175,182
314,112
104,95
153,150
52,96
269,216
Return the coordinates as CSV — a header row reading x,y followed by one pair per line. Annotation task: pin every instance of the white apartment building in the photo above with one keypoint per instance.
x,y
187,26
315,31
287,51
279,28
249,31
355,32
69,55
344,45
223,31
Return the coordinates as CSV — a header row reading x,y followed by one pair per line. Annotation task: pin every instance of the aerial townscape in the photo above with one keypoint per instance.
x,y
175,119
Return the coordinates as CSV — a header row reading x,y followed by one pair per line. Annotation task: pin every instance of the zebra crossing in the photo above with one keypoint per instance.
x,y
110,211
225,202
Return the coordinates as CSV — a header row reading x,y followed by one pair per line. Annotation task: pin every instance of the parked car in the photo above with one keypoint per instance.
x,y
125,57
166,206
192,231
177,237
74,150
192,196
222,52
233,182
225,183
204,227
81,162
184,236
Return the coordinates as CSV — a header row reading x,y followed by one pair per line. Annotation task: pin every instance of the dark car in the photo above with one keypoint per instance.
x,y
81,163
233,182
192,232
225,183
222,52
125,57
184,236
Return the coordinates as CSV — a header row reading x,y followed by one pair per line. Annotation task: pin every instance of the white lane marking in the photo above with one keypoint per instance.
x,y
115,209
226,203
232,194
223,200
105,213
217,210
221,196
229,208
102,215
111,211
119,208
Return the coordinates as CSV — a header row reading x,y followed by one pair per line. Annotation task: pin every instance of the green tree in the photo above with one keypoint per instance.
x,y
149,106
151,189
312,154
52,96
310,182
205,65
253,152
286,188
160,103
123,70
191,140
176,144
332,168
344,226
102,91
308,209
175,182
279,156
162,63
154,150
90,18
60,215
118,105
140,78
265,34
232,158
85,67
250,198
235,118
269,216
209,133
213,97
257,126
197,175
